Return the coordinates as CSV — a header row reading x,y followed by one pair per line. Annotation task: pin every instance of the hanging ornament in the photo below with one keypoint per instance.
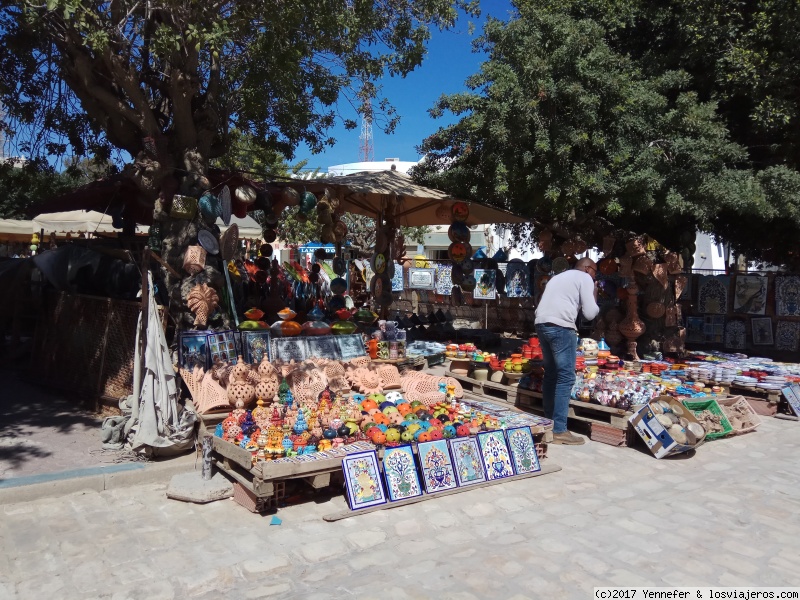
x,y
459,232
459,251
339,266
246,194
270,235
460,211
338,286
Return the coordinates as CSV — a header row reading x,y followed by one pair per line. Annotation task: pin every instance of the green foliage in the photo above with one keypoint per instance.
x,y
22,188
634,112
92,76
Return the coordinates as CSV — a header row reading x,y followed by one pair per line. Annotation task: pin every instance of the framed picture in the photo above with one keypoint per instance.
x,y
467,463
792,395
523,450
397,281
750,295
438,473
761,330
495,454
400,471
485,284
256,346
222,345
421,279
362,479
695,330
193,349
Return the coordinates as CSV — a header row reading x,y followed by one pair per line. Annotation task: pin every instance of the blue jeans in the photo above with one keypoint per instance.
x,y
558,350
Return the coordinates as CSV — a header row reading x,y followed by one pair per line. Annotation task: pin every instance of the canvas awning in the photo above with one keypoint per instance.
x,y
12,230
368,192
78,221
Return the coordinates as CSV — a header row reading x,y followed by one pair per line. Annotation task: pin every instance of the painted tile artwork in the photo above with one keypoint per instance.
x,y
523,450
695,329
363,481
761,330
444,279
398,283
437,467
787,335
495,454
787,296
736,334
750,295
400,471
712,294
517,285
485,284
467,461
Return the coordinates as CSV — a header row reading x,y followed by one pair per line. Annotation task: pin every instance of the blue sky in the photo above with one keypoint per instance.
x,y
448,63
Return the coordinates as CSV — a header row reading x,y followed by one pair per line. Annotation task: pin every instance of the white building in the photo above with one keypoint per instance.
x,y
402,166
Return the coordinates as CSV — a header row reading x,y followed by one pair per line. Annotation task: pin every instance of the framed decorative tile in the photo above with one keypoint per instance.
x,y
517,285
485,280
362,479
467,463
397,279
712,294
714,329
736,334
787,335
761,330
695,330
787,295
223,345
495,454
523,450
256,346
421,279
444,279
400,471
750,295
438,473
193,349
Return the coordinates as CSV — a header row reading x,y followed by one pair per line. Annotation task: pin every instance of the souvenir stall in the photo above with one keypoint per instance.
x,y
290,377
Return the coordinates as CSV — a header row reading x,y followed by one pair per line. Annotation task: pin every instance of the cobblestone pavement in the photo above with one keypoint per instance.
x,y
728,516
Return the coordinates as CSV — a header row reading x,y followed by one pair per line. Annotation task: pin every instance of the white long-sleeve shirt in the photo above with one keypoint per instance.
x,y
565,294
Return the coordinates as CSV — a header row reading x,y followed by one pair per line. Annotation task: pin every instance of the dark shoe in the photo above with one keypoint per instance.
x,y
567,439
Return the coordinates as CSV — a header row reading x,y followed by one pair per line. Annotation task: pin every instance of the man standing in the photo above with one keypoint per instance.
x,y
564,295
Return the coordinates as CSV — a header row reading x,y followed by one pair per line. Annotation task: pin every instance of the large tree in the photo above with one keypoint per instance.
x,y
165,82
661,117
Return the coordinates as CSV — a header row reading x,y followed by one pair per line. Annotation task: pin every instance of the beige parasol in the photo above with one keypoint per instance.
x,y
368,193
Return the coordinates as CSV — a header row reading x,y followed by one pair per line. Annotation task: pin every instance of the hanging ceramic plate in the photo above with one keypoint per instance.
x,y
468,266
339,266
460,211
459,251
378,285
225,202
544,264
468,284
378,263
265,250
208,241
270,218
338,286
458,232
560,265
270,235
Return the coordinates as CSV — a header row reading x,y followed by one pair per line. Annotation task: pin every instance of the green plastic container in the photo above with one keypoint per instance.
x,y
698,406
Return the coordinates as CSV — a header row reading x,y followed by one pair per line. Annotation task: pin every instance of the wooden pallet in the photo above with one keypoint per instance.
x,y
578,411
489,389
345,514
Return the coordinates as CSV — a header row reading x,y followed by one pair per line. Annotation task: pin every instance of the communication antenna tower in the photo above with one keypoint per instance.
x,y
366,151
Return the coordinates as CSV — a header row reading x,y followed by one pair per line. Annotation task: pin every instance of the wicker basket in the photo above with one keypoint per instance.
x,y
183,207
737,405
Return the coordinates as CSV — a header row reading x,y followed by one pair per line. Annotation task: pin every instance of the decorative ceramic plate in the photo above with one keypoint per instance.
x,y
208,241
225,201
560,265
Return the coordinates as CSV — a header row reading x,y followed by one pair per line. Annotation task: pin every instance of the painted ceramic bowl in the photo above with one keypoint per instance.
x,y
286,314
316,328
343,327
286,328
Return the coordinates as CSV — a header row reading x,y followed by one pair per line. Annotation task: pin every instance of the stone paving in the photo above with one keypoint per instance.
x,y
727,516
